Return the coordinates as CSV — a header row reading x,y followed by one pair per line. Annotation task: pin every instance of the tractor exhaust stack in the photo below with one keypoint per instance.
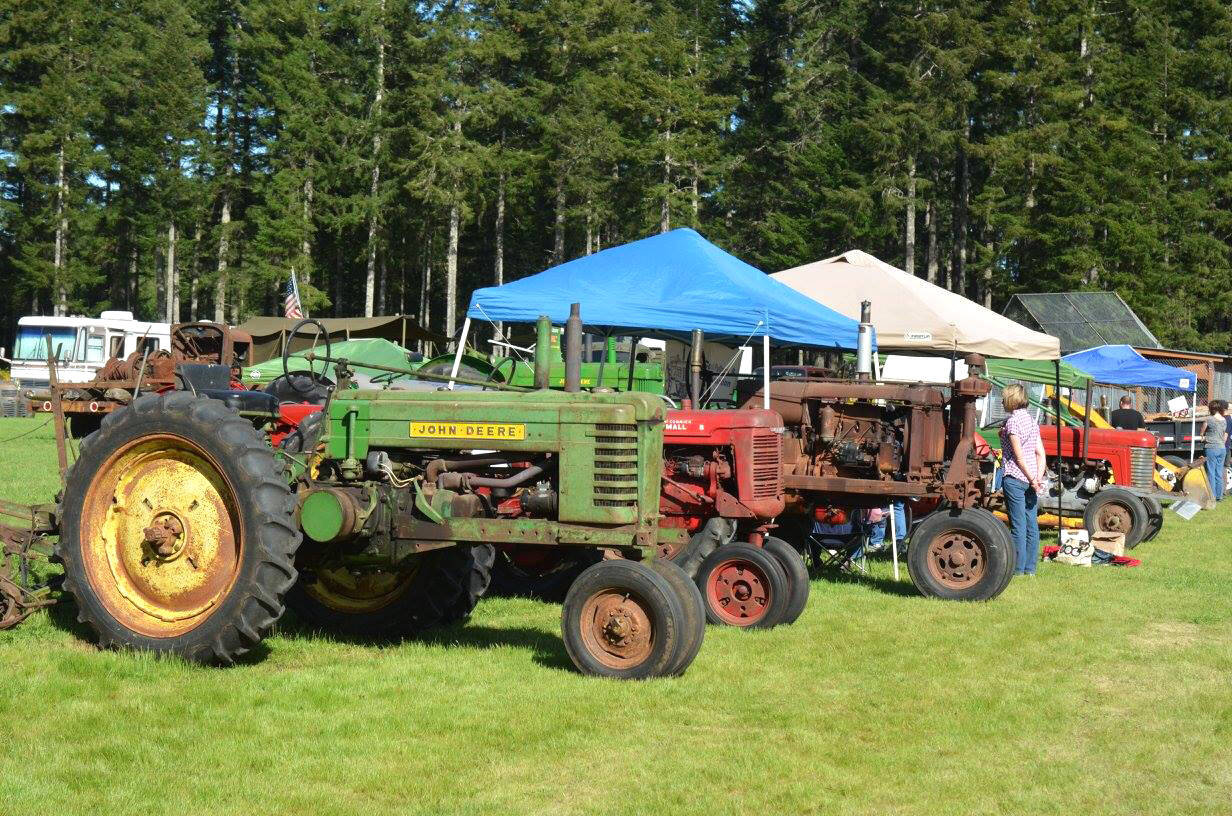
x,y
864,343
543,352
695,368
573,349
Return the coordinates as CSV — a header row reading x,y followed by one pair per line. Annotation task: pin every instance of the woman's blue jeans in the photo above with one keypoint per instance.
x,y
1020,500
1215,473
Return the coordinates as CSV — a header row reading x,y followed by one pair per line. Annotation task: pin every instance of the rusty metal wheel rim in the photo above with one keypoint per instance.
x,y
739,592
161,536
1114,517
957,559
359,591
617,629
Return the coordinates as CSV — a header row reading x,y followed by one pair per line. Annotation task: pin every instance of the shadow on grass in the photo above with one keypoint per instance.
x,y
546,649
888,586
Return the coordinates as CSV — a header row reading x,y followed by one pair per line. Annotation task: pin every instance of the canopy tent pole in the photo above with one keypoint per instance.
x,y
765,366
1060,453
1193,426
457,355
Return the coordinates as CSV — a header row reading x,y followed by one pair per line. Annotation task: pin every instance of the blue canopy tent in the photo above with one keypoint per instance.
x,y
1122,365
666,286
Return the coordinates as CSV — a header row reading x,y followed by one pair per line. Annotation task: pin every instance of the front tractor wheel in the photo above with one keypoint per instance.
x,y
961,556
743,586
177,530
1116,510
622,619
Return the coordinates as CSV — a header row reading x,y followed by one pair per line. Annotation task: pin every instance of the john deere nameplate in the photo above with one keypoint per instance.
x,y
468,430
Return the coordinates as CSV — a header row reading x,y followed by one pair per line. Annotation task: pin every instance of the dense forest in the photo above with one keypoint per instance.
x,y
180,158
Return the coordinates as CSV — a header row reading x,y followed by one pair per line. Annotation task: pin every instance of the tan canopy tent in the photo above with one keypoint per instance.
x,y
911,314
269,334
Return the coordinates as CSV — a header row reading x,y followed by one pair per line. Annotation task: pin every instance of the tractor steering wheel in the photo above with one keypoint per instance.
x,y
314,380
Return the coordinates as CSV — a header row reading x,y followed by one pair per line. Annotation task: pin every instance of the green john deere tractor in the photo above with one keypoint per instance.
x,y
192,518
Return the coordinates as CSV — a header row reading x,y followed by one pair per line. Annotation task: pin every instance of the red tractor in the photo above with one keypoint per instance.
x,y
1108,478
722,487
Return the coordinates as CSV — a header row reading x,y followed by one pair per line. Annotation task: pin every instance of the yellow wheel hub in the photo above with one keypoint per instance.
x,y
161,536
360,591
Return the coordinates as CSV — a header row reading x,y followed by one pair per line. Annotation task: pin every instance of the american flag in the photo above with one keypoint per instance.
x,y
290,303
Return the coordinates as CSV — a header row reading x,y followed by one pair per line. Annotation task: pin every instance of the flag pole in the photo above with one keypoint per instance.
x,y
295,288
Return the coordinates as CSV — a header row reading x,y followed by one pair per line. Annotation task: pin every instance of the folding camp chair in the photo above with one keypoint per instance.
x,y
838,545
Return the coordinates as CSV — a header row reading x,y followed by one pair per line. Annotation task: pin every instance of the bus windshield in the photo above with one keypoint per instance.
x,y
30,345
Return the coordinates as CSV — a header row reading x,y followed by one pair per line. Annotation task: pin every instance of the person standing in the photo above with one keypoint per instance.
x,y
1126,418
1215,438
1022,449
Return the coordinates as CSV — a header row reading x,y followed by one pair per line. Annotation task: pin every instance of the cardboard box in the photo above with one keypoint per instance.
x,y
1113,543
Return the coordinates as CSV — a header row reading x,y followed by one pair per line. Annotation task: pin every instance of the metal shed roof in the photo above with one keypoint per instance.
x,y
1081,320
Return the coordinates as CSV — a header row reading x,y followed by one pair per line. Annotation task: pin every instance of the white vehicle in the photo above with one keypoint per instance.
x,y
82,345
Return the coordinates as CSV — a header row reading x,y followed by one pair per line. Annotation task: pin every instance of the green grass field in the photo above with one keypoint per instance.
x,y
1083,691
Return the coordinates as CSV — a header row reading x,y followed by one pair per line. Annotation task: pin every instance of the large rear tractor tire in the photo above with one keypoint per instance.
x,y
545,573
178,533
436,588
694,621
622,619
1116,510
743,586
792,562
962,555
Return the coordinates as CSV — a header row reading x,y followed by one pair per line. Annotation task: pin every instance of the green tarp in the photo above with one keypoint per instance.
x,y
1035,371
373,350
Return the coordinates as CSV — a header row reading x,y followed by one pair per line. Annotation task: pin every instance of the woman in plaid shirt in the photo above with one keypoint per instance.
x,y
1022,449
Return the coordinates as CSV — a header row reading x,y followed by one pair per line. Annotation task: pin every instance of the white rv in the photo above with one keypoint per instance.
x,y
82,345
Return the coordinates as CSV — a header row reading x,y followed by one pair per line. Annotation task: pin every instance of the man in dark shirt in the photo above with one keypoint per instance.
x,y
1126,418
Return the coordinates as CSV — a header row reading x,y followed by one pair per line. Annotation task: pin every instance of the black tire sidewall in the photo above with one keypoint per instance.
x,y
998,552
445,589
263,503
693,628
797,577
1131,502
664,609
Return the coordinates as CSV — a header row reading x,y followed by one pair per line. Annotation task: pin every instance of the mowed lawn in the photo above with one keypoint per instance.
x,y
1083,691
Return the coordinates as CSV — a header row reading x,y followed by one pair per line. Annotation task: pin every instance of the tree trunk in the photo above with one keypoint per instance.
x,y
451,272
665,213
961,196
134,274
696,195
370,280
61,285
169,280
224,236
590,229
306,247
909,231
425,297
193,302
930,224
498,263
558,244
381,285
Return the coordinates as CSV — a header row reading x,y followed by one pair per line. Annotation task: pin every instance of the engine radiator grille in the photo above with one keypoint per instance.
x,y
1142,465
615,465
767,466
